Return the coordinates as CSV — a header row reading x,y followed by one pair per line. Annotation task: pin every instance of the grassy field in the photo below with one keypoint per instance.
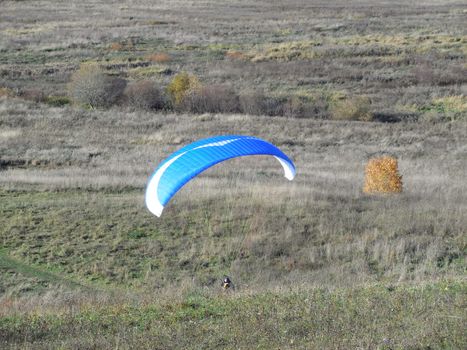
x,y
316,262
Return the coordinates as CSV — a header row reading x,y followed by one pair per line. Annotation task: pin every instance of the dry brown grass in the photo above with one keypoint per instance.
x,y
302,47
240,217
116,46
235,55
72,180
159,57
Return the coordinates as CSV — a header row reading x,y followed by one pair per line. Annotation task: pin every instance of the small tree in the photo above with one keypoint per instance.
x,y
382,176
354,108
180,86
89,85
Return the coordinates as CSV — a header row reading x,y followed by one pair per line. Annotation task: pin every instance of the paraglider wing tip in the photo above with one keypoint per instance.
x,y
289,169
155,208
158,211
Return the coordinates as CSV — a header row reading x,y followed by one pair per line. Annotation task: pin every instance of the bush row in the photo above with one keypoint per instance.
x,y
90,86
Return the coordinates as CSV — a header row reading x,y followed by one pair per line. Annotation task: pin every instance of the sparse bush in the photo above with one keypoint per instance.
x,y
91,86
274,106
256,103
182,85
159,57
252,103
235,55
304,107
212,99
6,92
32,94
355,108
125,45
57,101
382,176
116,46
145,94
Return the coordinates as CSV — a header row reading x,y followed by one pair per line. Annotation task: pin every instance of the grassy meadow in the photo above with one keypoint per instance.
x,y
316,262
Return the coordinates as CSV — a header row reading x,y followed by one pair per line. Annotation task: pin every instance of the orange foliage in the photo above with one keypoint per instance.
x,y
116,46
382,176
235,55
158,57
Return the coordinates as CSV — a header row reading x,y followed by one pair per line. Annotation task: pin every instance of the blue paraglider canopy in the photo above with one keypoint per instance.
x,y
184,164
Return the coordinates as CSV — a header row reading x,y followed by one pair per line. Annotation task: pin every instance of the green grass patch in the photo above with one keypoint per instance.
x,y
425,316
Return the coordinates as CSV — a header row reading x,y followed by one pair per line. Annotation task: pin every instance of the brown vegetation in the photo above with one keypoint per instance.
x,y
316,262
145,94
300,50
181,86
158,58
382,176
91,86
354,108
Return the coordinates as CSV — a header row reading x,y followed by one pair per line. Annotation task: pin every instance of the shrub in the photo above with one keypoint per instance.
x,y
354,108
144,94
159,57
33,94
235,55
57,101
252,103
305,107
212,99
91,86
274,106
115,46
182,85
6,92
256,103
382,176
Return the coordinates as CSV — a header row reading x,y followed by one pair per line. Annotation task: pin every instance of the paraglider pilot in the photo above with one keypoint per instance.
x,y
227,283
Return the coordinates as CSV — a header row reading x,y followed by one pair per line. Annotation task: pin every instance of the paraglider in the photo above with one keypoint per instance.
x,y
184,164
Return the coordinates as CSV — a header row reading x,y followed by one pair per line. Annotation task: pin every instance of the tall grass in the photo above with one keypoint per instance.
x,y
241,217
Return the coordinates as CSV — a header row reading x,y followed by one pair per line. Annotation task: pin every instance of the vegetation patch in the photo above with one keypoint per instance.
x,y
428,316
92,87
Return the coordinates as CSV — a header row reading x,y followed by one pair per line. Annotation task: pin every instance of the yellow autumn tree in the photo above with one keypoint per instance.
x,y
181,85
382,176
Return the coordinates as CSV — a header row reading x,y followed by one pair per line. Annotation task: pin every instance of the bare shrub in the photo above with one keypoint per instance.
x,y
91,86
274,106
424,75
32,94
212,99
354,108
305,107
144,94
256,103
252,103
382,176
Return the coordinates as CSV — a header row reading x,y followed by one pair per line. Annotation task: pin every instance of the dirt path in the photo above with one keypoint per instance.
x,y
7,262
